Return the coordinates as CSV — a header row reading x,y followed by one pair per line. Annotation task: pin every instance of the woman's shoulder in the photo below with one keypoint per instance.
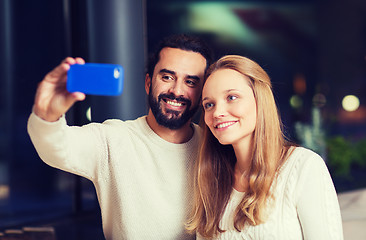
x,y
303,157
301,161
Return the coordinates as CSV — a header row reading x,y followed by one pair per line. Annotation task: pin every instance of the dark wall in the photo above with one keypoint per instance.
x,y
35,36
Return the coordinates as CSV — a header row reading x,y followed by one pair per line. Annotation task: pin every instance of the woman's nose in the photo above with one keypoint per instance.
x,y
219,111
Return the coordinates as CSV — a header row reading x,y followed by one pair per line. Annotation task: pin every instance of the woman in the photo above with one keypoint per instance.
x,y
250,182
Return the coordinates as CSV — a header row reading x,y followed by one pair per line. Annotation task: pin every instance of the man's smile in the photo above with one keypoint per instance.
x,y
175,104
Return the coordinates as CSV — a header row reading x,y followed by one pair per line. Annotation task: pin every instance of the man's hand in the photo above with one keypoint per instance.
x,y
52,98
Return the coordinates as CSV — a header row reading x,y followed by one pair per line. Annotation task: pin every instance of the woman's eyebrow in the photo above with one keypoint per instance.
x,y
225,91
204,99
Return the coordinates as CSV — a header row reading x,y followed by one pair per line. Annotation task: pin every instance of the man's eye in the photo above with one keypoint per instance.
x,y
190,82
167,77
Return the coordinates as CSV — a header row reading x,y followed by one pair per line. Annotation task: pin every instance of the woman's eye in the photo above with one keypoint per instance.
x,y
207,106
231,97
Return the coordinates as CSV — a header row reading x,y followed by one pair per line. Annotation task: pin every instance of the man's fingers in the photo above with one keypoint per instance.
x,y
78,96
58,73
79,60
52,98
70,99
69,60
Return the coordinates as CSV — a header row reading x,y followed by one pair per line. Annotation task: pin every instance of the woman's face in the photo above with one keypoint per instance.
x,y
230,107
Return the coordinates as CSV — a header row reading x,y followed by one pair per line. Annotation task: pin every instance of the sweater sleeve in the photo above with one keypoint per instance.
x,y
317,202
73,149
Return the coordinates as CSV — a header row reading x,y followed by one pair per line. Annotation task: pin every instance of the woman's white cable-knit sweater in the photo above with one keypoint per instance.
x,y
305,205
141,180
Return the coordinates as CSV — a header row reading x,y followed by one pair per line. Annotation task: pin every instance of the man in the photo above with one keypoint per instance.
x,y
140,168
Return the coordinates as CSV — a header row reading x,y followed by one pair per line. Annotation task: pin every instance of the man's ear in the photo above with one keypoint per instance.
x,y
147,83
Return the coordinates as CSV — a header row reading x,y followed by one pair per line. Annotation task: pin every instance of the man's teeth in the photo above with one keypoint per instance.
x,y
222,125
175,104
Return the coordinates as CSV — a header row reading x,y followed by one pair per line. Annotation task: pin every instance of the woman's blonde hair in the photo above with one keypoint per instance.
x,y
215,165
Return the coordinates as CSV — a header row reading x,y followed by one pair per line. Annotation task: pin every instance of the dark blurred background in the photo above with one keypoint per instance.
x,y
314,52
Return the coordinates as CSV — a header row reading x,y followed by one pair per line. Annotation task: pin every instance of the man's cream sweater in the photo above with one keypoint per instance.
x,y
142,181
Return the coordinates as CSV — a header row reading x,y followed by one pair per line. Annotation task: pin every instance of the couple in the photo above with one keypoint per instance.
x,y
249,182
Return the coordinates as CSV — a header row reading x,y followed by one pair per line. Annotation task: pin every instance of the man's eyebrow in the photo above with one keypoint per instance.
x,y
194,77
164,70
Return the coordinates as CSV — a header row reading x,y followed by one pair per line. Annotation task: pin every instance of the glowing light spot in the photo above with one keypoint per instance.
x,y
319,100
350,103
88,114
295,101
4,192
299,84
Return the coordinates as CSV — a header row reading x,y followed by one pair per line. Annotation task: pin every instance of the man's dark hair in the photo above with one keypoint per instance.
x,y
183,42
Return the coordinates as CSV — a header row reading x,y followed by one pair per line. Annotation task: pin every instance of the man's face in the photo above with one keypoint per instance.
x,y
175,88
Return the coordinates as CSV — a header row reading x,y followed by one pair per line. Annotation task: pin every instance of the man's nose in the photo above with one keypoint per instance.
x,y
177,89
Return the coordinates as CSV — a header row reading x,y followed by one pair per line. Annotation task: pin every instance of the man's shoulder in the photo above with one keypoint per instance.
x,y
197,128
117,125
119,122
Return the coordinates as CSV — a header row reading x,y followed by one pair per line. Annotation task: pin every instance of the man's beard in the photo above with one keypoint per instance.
x,y
176,119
